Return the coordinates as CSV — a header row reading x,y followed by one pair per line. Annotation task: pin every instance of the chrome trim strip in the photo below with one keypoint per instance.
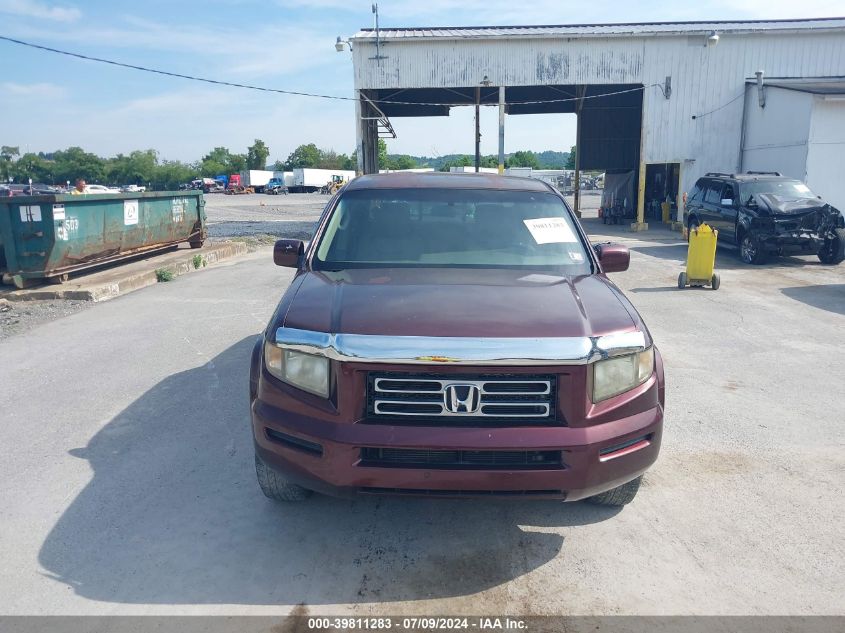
x,y
451,350
481,384
477,414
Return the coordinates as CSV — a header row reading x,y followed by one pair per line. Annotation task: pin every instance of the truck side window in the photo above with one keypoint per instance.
x,y
729,193
696,193
714,193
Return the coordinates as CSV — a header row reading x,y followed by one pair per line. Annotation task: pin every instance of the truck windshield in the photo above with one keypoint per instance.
x,y
452,228
783,190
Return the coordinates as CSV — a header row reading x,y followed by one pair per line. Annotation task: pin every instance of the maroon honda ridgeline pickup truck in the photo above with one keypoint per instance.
x,y
454,335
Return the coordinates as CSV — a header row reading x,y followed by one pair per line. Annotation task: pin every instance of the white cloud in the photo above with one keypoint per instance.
x,y
219,52
33,9
31,90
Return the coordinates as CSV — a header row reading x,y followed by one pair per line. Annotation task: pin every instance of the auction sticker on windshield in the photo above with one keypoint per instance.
x,y
550,230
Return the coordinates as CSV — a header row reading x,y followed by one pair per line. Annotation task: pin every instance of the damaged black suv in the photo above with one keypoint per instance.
x,y
765,213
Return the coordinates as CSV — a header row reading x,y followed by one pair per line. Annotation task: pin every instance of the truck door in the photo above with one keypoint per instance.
x,y
726,220
695,200
711,204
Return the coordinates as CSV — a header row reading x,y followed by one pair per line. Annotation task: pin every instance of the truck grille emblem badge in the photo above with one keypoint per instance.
x,y
462,398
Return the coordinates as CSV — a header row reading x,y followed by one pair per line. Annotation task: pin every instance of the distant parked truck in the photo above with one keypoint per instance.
x,y
309,180
285,176
236,185
276,186
256,178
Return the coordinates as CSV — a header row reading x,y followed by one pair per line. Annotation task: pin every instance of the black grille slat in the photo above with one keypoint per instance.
x,y
505,400
425,458
504,409
514,388
434,492
420,408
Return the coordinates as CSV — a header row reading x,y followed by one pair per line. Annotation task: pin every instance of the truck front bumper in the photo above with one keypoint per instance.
x,y
328,457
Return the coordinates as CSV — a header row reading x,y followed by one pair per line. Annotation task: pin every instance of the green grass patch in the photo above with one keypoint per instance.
x,y
163,275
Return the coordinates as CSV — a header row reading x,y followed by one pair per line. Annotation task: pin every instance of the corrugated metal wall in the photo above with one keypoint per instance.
x,y
776,136
708,82
824,154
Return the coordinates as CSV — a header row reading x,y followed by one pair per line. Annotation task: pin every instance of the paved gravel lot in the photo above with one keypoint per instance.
x,y
17,317
292,216
127,483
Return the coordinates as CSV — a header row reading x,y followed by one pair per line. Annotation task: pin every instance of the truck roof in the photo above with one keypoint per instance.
x,y
445,180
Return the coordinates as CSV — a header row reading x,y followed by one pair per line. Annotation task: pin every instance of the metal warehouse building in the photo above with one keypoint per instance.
x,y
666,101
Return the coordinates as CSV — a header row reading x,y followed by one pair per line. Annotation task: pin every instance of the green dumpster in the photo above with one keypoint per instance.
x,y
47,237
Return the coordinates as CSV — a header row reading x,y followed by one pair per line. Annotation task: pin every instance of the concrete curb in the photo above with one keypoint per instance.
x,y
124,278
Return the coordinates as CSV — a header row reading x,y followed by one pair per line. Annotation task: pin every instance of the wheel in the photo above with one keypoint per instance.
x,y
751,251
59,279
620,496
682,281
22,283
715,280
833,250
275,487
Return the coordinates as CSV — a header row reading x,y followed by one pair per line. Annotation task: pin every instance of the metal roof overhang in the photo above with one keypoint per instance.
x,y
611,113
418,102
625,29
814,85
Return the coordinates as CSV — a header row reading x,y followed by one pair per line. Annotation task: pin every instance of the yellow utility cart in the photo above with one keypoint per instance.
x,y
701,259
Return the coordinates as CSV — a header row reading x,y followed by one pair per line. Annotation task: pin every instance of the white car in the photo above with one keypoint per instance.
x,y
100,189
133,189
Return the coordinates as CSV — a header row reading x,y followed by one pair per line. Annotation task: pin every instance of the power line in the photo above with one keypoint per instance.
x,y
298,93
171,74
724,105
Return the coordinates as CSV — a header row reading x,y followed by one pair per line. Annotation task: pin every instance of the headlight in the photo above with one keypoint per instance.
x,y
618,375
305,371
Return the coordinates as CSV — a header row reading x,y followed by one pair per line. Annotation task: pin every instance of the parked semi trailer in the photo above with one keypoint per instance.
x,y
309,180
257,179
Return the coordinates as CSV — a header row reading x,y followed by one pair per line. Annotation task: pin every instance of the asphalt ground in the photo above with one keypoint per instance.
x,y
127,483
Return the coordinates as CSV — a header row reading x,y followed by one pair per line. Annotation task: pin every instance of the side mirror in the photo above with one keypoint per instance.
x,y
614,258
288,252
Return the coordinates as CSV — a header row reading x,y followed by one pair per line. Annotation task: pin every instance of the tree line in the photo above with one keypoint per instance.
x,y
145,167
141,167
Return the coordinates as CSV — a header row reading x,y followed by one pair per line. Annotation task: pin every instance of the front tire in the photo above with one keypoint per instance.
x,y
682,281
715,281
618,497
275,487
833,250
751,251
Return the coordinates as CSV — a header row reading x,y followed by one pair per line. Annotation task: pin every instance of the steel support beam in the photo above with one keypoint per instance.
x,y
477,129
501,130
641,224
581,91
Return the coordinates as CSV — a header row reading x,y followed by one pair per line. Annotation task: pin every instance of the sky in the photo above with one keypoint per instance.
x,y
50,102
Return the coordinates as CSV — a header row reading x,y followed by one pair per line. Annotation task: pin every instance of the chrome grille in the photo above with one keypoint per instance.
x,y
462,399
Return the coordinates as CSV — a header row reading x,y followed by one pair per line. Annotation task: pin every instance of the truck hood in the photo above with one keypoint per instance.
x,y
791,207
466,303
